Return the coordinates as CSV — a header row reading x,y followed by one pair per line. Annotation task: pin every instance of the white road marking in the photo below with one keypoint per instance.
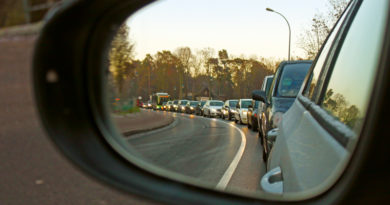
x,y
223,182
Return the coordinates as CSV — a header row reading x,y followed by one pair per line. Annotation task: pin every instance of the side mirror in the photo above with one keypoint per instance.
x,y
259,95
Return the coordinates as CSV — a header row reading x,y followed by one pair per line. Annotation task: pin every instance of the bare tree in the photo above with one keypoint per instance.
x,y
206,54
184,55
312,38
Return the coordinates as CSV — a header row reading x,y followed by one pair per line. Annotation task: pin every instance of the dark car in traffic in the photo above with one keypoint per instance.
x,y
323,126
266,88
191,106
199,108
285,86
252,115
227,108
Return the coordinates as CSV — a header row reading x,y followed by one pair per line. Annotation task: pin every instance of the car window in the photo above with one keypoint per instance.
x,y
233,103
246,103
291,79
275,78
216,103
350,85
319,64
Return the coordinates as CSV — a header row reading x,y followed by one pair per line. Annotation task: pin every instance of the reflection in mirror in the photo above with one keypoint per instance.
x,y
174,64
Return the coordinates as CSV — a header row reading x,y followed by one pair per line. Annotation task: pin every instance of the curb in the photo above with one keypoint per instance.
x,y
137,131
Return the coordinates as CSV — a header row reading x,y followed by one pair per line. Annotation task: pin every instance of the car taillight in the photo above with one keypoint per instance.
x,y
255,115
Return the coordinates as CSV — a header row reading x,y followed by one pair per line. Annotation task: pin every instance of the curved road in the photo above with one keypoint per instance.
x,y
220,152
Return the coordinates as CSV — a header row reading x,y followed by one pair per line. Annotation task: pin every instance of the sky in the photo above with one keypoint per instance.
x,y
242,27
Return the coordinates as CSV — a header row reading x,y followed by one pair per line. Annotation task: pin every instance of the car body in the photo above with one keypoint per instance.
x,y
168,105
191,106
145,105
252,115
175,105
285,86
199,108
212,108
181,106
164,106
266,88
149,105
328,116
240,113
227,109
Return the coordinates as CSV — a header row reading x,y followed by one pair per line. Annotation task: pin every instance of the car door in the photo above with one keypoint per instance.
x,y
237,113
328,116
206,108
267,109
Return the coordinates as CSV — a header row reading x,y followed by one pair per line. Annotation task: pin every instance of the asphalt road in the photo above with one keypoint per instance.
x,y
32,170
221,153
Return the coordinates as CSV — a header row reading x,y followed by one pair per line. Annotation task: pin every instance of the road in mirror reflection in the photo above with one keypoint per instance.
x,y
171,57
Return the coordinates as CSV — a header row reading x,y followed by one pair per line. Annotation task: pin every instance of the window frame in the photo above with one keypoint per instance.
x,y
338,130
324,70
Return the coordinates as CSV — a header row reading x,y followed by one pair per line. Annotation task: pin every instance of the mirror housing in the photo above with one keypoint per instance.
x,y
259,95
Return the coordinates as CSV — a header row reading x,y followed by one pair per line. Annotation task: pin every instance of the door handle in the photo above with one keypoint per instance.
x,y
272,181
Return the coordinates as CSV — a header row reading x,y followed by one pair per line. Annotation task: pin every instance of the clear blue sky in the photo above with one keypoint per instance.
x,y
240,26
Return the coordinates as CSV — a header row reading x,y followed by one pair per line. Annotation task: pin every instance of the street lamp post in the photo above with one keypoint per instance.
x,y
289,30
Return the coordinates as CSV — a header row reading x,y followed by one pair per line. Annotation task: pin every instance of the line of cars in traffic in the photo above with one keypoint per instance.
x,y
310,115
263,112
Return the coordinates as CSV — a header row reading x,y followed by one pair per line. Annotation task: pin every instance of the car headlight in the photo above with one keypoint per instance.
x,y
276,119
213,110
191,108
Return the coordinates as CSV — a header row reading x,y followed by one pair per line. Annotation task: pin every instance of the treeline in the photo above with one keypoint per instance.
x,y
183,73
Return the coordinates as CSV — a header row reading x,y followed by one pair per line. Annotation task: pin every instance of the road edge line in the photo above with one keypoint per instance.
x,y
224,181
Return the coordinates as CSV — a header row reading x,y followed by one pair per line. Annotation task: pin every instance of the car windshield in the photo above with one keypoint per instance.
x,y
291,79
216,103
183,102
245,103
202,103
175,102
193,103
233,103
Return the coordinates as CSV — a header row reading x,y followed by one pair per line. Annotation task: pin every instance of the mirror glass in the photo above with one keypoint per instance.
x,y
177,70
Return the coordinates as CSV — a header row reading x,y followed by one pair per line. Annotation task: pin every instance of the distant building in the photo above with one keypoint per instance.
x,y
205,94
